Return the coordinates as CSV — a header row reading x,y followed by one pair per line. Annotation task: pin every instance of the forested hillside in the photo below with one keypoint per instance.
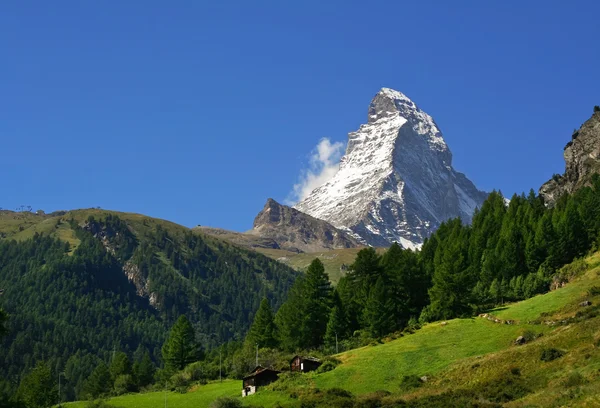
x,y
82,285
511,251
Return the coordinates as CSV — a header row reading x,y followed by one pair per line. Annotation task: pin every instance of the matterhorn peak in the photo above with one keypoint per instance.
x,y
395,182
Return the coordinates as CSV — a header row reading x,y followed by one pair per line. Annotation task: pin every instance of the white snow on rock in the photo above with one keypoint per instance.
x,y
395,182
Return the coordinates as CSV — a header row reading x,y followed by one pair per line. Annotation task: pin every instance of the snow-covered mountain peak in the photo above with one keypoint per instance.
x,y
396,181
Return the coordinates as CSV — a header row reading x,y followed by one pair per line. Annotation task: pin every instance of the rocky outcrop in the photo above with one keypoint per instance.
x,y
296,231
142,284
395,182
582,159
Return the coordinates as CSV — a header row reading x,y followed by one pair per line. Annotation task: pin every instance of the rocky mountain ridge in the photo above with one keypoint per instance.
x,y
395,182
582,160
296,231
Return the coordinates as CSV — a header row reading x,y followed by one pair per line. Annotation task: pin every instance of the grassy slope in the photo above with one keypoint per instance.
x,y
332,260
460,354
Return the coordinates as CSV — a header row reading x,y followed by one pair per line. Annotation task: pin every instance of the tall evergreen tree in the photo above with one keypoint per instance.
x,y
99,383
364,272
143,370
572,234
316,294
379,310
452,283
181,347
119,365
337,326
262,331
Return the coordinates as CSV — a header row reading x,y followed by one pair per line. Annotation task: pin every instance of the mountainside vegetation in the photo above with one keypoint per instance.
x,y
464,362
79,287
94,293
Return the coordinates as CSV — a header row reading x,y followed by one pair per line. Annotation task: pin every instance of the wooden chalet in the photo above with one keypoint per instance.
x,y
304,364
259,377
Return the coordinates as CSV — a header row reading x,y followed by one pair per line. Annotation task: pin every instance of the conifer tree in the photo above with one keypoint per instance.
x,y
143,370
364,272
99,383
496,291
181,347
379,310
571,233
316,305
337,326
120,365
262,331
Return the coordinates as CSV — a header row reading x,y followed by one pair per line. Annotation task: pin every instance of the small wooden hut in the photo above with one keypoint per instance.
x,y
304,364
259,377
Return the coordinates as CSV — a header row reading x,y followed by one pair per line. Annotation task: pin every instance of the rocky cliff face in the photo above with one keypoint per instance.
x,y
582,158
296,231
396,182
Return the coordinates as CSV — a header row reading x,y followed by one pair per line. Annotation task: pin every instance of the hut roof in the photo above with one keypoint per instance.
x,y
309,358
259,370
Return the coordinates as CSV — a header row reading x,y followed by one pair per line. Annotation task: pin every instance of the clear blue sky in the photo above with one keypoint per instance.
x,y
197,112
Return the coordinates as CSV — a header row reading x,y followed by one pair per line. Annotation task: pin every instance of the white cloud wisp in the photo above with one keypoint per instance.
x,y
323,164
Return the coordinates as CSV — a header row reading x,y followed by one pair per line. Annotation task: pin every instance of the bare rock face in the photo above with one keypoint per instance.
x,y
582,158
396,182
296,231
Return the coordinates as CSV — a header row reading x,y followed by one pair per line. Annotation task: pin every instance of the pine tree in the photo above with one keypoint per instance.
x,y
143,371
496,291
572,234
364,272
337,326
120,365
181,347
262,331
316,305
378,312
99,383
452,282
38,388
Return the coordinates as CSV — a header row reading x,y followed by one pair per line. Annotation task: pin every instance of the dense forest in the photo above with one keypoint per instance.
x,y
74,309
511,251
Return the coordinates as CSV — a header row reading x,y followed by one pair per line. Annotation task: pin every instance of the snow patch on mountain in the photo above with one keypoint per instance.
x,y
395,182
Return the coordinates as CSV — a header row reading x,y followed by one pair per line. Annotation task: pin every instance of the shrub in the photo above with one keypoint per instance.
x,y
596,108
410,381
594,291
195,371
98,404
338,392
179,382
574,379
551,354
372,400
124,384
529,335
329,364
226,402
572,270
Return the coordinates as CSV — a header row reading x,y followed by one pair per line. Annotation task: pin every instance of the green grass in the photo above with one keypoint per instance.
x,y
198,397
554,301
425,352
332,260
201,397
